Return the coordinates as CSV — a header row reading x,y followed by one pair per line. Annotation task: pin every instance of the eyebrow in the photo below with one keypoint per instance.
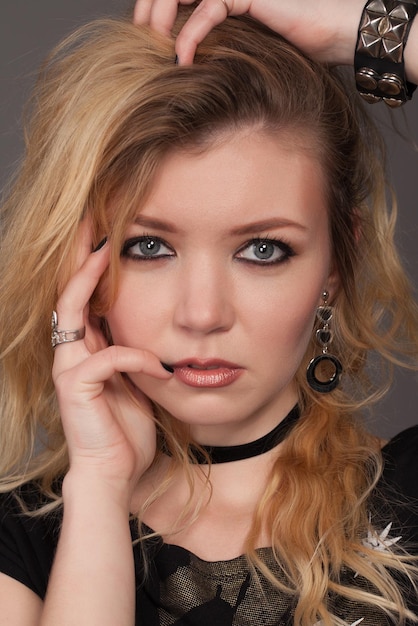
x,y
246,229
153,222
267,224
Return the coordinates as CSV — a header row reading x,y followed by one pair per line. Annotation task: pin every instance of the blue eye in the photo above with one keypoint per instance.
x,y
265,252
146,247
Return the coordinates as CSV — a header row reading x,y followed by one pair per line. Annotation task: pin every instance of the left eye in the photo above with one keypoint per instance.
x,y
265,251
146,247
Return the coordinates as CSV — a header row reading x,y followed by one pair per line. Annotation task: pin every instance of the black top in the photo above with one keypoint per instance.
x,y
183,590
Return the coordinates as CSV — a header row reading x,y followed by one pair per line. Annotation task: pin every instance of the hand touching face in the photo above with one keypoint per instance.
x,y
109,432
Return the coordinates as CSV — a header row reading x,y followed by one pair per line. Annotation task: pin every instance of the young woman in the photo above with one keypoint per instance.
x,y
197,455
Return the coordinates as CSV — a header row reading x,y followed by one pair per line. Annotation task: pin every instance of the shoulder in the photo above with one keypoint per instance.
x,y
27,542
400,458
395,500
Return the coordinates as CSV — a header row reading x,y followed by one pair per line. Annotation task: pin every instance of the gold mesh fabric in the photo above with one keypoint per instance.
x,y
194,592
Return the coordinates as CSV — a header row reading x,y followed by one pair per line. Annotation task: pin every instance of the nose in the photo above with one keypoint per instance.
x,y
204,302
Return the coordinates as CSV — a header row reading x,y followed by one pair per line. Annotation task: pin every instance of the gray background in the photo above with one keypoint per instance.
x,y
29,28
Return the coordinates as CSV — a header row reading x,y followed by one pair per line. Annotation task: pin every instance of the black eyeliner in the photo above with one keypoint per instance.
x,y
286,248
132,241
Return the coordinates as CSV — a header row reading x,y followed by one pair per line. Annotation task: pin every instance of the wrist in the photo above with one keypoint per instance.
x,y
91,489
411,53
379,61
346,36
94,561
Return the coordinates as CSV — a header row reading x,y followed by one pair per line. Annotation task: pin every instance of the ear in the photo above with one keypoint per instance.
x,y
333,283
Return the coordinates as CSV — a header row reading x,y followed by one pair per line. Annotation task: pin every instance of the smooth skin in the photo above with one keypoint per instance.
x,y
204,291
100,420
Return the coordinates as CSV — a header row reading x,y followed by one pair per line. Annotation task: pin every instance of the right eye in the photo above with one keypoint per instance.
x,y
146,248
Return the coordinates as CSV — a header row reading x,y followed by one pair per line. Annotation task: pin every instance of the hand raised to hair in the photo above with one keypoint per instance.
x,y
326,30
108,426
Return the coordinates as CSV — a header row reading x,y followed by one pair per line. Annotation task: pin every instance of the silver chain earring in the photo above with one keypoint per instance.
x,y
325,360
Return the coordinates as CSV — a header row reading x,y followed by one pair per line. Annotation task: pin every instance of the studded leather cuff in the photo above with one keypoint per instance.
x,y
379,59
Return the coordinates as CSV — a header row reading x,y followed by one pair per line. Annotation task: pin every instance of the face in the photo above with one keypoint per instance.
x,y
221,274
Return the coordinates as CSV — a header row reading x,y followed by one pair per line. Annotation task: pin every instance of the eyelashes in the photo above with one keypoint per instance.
x,y
265,251
146,247
258,251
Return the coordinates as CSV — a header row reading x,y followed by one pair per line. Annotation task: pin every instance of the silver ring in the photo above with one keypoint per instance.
x,y
64,336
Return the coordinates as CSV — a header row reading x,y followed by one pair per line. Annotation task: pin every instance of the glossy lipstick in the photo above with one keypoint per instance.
x,y
206,373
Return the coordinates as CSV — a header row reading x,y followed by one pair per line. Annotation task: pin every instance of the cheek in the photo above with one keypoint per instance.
x,y
290,331
287,309
132,315
282,323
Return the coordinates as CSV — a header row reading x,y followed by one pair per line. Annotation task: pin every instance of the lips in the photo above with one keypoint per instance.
x,y
206,372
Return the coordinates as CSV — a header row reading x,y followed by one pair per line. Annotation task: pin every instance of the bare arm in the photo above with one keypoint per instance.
x,y
19,605
92,580
326,30
111,441
411,53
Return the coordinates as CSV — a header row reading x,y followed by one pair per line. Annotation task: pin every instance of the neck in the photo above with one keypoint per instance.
x,y
201,454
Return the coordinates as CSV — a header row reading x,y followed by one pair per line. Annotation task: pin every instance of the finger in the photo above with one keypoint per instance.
x,y
84,406
74,299
163,15
116,359
88,377
206,16
142,12
72,311
84,236
98,413
160,15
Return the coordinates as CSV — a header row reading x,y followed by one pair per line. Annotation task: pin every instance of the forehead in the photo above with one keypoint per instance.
x,y
240,176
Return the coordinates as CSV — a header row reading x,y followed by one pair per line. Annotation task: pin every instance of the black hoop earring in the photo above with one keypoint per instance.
x,y
324,337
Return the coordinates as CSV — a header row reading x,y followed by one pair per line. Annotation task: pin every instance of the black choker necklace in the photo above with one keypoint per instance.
x,y
226,454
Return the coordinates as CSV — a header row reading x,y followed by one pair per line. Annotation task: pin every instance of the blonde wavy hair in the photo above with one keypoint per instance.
x,y
109,104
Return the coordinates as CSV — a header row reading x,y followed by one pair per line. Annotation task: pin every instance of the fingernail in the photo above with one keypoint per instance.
x,y
100,244
176,60
167,367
